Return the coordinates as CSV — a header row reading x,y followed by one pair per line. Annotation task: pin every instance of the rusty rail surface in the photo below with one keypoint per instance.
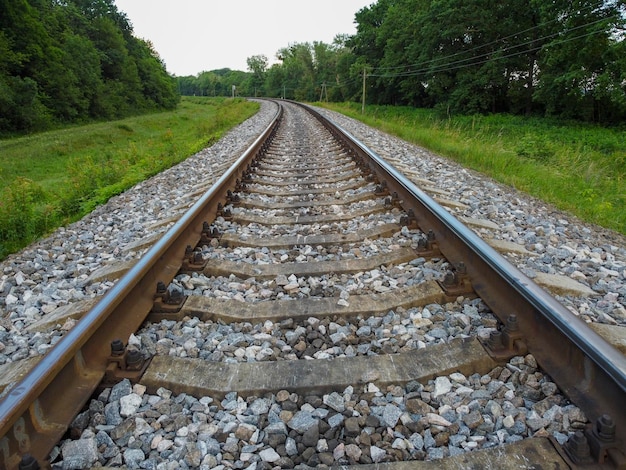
x,y
36,412
588,370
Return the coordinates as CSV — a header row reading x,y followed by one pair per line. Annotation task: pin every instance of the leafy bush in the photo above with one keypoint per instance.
x,y
24,214
535,148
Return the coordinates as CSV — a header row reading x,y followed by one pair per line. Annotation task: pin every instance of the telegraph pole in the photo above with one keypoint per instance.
x,y
324,92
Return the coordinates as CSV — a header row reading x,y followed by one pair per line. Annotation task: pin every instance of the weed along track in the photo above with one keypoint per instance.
x,y
314,308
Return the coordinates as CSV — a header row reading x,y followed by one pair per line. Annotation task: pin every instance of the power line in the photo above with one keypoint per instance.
x,y
422,68
539,26
490,53
441,70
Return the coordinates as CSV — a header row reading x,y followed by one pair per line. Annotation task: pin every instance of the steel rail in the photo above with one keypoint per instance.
x,y
37,411
591,372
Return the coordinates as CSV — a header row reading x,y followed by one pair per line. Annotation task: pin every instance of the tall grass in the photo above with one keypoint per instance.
x,y
579,168
52,178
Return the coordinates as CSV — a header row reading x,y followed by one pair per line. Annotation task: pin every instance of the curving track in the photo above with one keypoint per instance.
x,y
329,313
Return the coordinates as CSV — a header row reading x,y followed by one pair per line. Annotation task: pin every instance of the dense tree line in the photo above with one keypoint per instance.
x,y
563,57
304,72
215,83
64,61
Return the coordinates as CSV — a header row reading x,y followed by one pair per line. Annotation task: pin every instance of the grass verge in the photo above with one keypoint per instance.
x,y
577,167
52,178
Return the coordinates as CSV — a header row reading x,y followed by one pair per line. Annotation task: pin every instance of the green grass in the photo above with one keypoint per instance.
x,y
577,167
51,178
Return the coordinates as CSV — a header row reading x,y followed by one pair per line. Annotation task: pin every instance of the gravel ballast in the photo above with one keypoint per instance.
x,y
364,424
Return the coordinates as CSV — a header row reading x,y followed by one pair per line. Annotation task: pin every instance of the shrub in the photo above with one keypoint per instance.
x,y
23,213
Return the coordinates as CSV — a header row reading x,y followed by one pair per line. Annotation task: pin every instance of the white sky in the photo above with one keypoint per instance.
x,y
192,36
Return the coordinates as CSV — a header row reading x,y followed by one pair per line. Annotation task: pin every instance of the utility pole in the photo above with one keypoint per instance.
x,y
363,100
324,92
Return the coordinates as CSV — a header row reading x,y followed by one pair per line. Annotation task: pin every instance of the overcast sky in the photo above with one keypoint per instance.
x,y
192,36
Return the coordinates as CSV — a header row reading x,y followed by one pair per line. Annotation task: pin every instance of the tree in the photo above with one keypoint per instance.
x,y
367,46
579,67
157,87
19,102
275,80
298,71
207,84
399,75
341,85
71,60
467,57
216,83
561,57
257,65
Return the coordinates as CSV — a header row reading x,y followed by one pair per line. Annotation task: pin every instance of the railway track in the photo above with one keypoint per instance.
x,y
315,308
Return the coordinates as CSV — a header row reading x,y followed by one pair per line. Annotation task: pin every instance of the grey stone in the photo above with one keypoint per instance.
x,y
212,445
391,415
134,457
259,406
457,439
377,454
438,333
269,455
79,454
365,330
276,428
417,441
428,439
335,401
435,453
129,404
291,447
335,420
442,386
302,421
103,439
535,424
120,389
